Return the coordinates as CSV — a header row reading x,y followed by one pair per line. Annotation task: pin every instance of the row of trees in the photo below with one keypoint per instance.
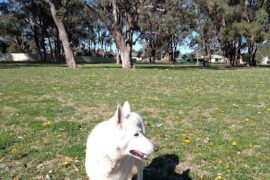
x,y
234,27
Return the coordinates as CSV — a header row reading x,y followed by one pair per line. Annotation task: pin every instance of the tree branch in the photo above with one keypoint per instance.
x,y
134,42
99,17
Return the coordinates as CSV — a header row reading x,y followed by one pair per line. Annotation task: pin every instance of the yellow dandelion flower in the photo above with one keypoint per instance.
x,y
46,123
65,162
187,141
186,138
268,109
219,177
246,120
234,143
13,150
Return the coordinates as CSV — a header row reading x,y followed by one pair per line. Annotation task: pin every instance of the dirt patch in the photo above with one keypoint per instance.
x,y
227,136
9,110
101,111
188,164
248,152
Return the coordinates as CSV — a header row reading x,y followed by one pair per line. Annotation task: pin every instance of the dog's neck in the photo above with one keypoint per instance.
x,y
117,162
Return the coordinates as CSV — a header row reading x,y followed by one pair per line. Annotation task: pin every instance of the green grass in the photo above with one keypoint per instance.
x,y
216,120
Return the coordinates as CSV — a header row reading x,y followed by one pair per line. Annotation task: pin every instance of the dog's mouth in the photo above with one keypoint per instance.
x,y
138,154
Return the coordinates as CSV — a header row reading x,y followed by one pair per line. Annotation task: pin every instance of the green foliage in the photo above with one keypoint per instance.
x,y
13,48
239,26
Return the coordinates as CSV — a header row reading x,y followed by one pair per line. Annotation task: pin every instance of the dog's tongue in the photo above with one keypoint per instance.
x,y
138,154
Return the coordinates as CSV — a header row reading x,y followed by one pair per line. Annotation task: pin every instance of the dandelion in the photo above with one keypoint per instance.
x,y
186,138
219,177
13,150
268,109
219,110
234,143
46,123
65,162
246,120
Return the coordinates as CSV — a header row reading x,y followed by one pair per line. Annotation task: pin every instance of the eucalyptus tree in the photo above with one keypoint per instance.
x,y
14,29
176,24
121,18
164,27
239,27
58,19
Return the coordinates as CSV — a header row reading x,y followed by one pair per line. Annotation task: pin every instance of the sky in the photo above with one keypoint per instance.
x,y
183,48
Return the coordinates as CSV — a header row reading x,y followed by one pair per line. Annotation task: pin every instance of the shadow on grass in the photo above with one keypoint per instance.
x,y
163,66
17,65
163,168
186,67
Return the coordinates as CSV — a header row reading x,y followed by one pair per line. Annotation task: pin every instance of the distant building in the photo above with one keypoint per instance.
x,y
266,61
215,58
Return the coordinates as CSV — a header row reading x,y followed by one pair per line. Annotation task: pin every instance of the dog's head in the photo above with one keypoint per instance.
x,y
133,141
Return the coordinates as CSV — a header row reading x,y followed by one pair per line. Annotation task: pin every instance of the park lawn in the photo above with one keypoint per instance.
x,y
215,120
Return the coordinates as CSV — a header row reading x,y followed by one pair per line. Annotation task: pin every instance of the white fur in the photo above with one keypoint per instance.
x,y
109,145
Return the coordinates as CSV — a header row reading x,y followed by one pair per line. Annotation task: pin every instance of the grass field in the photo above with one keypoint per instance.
x,y
215,120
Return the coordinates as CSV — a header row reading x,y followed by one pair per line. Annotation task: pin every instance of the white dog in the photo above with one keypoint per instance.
x,y
115,145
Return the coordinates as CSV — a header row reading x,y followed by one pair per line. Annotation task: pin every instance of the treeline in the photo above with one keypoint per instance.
x,y
237,28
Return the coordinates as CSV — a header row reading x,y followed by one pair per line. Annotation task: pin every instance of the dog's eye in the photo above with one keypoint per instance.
x,y
136,134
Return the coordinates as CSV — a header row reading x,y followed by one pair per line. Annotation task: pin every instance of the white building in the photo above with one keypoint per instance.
x,y
266,61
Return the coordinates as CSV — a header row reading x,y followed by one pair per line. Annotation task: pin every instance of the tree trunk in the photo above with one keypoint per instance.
x,y
252,50
153,55
57,49
118,60
51,49
124,48
63,36
170,48
36,38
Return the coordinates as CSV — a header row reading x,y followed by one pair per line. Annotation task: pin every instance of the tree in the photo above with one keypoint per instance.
x,y
165,26
14,30
62,34
121,19
236,27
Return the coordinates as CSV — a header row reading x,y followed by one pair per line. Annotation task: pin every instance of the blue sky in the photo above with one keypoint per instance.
x,y
183,48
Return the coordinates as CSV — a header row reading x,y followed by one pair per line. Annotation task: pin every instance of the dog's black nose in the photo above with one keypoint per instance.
x,y
156,148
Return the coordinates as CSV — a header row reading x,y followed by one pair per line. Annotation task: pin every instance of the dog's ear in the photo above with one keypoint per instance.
x,y
118,116
126,109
